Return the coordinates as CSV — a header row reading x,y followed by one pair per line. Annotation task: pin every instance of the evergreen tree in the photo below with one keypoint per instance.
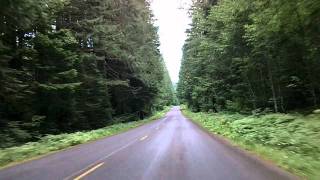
x,y
243,56
75,65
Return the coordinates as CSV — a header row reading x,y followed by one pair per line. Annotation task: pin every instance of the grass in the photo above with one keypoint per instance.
x,y
290,140
53,143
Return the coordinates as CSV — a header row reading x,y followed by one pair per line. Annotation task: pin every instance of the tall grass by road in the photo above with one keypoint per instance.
x,y
53,143
290,140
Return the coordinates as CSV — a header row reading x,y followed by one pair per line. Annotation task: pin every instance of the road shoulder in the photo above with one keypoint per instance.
x,y
239,149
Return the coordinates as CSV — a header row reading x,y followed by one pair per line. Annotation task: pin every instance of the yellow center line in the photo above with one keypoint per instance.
x,y
89,171
143,138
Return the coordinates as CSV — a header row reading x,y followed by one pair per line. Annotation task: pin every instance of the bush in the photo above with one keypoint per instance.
x,y
52,143
291,140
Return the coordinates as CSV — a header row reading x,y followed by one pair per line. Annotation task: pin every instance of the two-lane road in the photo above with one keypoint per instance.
x,y
171,148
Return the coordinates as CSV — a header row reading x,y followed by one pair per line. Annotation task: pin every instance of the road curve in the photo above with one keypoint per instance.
x,y
172,148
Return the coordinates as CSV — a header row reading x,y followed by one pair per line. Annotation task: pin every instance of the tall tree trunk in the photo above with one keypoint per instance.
x,y
252,94
274,95
314,97
306,60
281,99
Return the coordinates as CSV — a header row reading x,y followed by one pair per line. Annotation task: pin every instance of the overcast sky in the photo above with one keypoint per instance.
x,y
172,20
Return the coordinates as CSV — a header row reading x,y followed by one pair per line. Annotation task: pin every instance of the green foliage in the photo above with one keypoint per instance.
x,y
290,140
73,65
51,143
256,57
167,95
243,55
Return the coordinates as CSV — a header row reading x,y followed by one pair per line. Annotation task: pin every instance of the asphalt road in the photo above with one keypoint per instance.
x,y
172,148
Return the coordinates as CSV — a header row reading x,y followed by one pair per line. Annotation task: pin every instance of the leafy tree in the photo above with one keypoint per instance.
x,y
242,56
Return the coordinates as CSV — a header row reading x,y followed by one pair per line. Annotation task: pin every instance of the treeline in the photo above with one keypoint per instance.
x,y
252,55
72,65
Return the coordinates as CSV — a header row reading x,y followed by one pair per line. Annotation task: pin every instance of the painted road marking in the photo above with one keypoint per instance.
x,y
112,153
120,149
144,137
101,159
89,171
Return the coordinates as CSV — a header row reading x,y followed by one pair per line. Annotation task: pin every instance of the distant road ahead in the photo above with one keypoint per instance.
x,y
171,148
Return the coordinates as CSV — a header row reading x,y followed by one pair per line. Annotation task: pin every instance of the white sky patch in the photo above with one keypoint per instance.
x,y
172,19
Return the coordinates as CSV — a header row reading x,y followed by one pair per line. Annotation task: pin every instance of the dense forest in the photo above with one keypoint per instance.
x,y
69,65
249,56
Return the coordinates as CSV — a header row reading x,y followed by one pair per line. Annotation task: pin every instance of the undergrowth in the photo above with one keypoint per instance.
x,y
290,140
53,143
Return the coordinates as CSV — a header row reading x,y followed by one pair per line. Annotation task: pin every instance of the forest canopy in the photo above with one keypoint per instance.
x,y
69,65
252,56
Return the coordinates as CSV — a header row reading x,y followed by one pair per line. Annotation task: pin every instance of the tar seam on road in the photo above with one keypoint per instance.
x,y
89,171
104,158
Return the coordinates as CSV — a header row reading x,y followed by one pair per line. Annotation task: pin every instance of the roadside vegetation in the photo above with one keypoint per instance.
x,y
74,65
290,140
245,56
52,143
259,61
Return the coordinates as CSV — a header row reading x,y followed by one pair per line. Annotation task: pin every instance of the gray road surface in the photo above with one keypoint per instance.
x,y
172,148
